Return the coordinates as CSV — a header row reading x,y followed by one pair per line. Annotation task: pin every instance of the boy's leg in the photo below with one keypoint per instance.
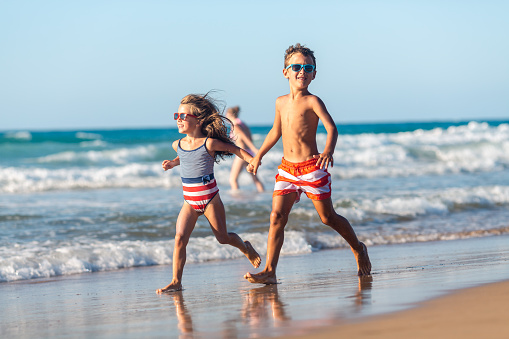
x,y
281,207
341,225
216,216
185,224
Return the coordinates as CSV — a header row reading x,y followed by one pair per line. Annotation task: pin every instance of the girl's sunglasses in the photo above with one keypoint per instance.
x,y
297,67
183,116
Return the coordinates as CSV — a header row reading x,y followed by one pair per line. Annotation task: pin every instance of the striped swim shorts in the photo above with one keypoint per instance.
x,y
198,192
302,177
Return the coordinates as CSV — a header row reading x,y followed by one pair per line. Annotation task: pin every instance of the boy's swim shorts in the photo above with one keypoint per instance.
x,y
302,177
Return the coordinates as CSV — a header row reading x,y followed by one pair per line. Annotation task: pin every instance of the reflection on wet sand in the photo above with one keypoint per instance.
x,y
262,304
263,311
363,295
185,322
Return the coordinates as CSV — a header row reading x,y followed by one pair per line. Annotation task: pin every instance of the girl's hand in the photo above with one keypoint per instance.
x,y
168,164
324,160
253,165
250,168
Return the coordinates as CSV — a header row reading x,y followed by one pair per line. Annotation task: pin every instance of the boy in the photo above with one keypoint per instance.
x,y
303,168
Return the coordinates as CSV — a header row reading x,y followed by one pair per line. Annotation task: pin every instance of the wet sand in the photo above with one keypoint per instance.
x,y
479,312
317,292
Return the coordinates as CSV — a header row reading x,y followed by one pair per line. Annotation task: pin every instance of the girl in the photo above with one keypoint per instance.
x,y
205,142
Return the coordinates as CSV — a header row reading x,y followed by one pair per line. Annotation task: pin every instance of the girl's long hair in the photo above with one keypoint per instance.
x,y
214,125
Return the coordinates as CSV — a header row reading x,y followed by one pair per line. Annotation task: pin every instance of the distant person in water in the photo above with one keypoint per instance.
x,y
206,142
241,134
303,168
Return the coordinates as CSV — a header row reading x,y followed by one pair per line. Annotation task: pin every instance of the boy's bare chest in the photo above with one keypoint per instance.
x,y
295,119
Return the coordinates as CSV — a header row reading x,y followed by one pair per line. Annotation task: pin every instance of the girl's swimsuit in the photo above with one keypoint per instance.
x,y
197,173
302,177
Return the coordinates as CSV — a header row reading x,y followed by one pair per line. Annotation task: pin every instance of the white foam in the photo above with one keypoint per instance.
x,y
16,180
417,204
42,260
85,135
21,135
48,259
476,147
93,143
38,260
470,148
103,157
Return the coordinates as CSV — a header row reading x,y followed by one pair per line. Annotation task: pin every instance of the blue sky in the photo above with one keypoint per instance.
x,y
108,64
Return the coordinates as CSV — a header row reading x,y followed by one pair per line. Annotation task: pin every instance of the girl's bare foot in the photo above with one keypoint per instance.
x,y
363,262
252,255
172,287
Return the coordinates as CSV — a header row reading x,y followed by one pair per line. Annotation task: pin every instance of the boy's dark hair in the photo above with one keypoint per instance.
x,y
298,48
214,125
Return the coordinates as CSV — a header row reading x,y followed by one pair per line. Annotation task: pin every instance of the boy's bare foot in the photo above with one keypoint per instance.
x,y
252,255
363,263
261,278
172,287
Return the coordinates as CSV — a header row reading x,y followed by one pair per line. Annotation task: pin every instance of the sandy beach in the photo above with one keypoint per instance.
x,y
479,312
413,292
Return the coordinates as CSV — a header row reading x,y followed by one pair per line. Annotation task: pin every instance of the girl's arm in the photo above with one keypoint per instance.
x,y
169,164
215,145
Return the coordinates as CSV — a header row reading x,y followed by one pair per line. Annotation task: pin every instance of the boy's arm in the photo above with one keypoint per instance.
x,y
325,159
270,140
169,164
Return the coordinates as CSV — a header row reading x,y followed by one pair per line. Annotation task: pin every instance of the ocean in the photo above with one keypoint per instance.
x,y
96,200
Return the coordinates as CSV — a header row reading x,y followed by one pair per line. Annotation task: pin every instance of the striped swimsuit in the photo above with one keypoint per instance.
x,y
197,173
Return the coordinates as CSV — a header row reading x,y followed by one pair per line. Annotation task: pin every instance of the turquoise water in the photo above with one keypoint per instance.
x,y
95,200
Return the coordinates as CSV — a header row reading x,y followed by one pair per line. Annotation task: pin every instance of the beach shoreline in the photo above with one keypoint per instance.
x,y
316,293
470,313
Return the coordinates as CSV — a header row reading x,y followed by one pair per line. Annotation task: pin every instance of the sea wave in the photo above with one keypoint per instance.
x,y
19,180
88,135
129,175
472,148
19,135
437,203
49,259
103,157
476,147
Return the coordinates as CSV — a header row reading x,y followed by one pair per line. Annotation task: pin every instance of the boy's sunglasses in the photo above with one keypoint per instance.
x,y
297,67
183,116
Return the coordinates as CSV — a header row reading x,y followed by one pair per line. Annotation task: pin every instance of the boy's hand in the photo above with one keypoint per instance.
x,y
324,160
168,164
253,165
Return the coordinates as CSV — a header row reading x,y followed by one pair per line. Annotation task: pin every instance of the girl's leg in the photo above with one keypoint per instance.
x,y
185,224
216,216
237,166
